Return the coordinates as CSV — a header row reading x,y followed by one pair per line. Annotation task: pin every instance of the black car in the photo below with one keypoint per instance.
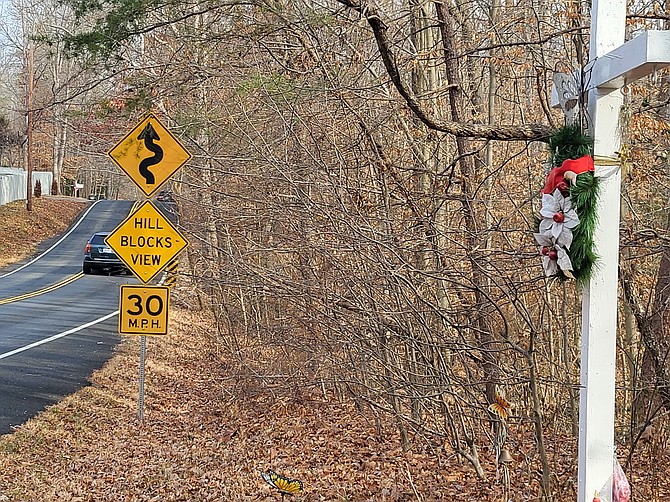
x,y
99,257
165,196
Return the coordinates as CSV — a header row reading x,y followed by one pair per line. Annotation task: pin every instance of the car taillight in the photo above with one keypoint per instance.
x,y
88,247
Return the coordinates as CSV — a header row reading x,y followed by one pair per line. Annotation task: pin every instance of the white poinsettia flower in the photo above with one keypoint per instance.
x,y
558,218
545,241
563,261
554,256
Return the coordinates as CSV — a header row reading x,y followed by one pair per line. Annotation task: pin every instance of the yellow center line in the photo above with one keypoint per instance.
x,y
53,287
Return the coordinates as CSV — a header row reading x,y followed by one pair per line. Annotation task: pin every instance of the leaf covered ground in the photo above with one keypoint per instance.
x,y
206,435
210,426
21,231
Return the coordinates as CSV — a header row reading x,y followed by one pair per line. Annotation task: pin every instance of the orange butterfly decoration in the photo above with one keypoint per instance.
x,y
500,407
286,486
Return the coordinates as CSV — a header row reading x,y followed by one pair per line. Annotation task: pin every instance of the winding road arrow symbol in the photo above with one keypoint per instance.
x,y
149,135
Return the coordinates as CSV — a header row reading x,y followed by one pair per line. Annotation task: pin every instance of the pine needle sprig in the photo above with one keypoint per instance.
x,y
584,196
569,142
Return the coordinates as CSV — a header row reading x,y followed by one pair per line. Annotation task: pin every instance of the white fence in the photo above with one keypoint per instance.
x,y
13,183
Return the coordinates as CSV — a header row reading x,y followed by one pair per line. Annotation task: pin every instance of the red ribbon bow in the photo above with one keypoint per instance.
x,y
556,177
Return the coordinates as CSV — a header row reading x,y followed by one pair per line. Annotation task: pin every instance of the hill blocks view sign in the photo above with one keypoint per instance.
x,y
149,154
146,241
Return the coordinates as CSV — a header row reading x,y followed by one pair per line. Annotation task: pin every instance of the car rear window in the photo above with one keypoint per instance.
x,y
98,239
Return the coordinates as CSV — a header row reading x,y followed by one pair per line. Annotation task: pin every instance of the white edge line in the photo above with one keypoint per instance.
x,y
56,244
56,337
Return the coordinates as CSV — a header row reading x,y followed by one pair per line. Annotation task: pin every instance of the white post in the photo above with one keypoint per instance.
x,y
612,65
599,302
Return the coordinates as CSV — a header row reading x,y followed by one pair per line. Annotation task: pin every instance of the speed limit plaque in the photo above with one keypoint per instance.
x,y
143,310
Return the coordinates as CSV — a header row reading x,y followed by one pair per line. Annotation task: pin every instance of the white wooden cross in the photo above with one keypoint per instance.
x,y
613,65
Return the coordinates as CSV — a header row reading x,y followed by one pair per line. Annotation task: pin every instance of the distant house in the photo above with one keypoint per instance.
x,y
13,183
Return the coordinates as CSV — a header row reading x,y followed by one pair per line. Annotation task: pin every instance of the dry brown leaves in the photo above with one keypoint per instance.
x,y
202,441
21,231
205,439
209,428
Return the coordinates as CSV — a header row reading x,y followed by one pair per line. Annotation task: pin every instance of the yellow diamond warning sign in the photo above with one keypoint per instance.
x,y
143,310
146,241
149,155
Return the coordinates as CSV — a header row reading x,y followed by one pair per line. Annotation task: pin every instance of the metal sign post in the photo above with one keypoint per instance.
x,y
146,241
143,357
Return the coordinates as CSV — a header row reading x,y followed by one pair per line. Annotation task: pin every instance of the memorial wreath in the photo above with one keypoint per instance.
x,y
567,218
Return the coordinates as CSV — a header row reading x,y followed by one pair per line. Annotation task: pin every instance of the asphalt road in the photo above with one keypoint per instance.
x,y
52,341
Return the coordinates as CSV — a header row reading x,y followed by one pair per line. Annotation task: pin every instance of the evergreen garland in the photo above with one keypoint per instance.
x,y
569,142
584,196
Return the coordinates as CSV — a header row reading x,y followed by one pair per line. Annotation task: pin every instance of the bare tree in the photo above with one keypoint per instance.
x,y
361,202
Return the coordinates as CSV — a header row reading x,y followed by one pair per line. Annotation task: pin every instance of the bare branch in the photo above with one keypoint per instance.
x,y
524,132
